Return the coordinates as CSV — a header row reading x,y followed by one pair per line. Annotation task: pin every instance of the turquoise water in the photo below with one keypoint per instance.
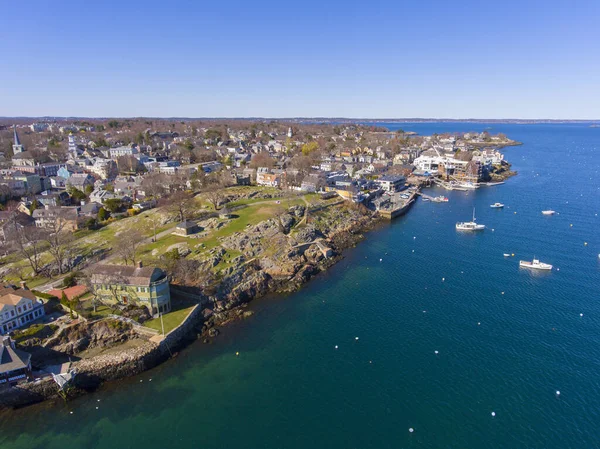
x,y
504,353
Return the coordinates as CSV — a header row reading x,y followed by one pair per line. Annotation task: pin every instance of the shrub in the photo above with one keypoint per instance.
x,y
69,280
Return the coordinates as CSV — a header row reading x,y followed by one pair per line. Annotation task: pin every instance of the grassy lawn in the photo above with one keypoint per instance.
x,y
161,244
251,215
171,320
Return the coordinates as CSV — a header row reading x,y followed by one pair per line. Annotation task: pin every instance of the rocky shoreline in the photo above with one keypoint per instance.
x,y
250,281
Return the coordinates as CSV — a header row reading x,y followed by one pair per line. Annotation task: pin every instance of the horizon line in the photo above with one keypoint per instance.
x,y
400,119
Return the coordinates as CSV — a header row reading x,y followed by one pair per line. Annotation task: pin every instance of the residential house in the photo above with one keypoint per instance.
x,y
15,365
130,150
138,285
268,179
313,183
53,199
11,222
18,307
100,195
68,218
80,181
58,182
31,181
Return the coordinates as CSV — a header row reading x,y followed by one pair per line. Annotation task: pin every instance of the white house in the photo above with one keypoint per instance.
x,y
18,307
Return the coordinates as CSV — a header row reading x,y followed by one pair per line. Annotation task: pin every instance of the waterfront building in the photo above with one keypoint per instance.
x,y
15,365
138,285
391,183
18,307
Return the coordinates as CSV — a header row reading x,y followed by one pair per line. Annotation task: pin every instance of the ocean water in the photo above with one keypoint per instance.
x,y
506,338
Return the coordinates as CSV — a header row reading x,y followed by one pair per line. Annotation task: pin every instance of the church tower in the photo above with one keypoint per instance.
x,y
73,154
17,147
289,134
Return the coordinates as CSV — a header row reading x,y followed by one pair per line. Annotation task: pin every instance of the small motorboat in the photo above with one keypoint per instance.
x,y
535,264
497,206
506,255
548,212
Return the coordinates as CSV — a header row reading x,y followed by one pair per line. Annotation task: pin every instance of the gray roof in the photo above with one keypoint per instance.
x,y
392,178
126,274
12,359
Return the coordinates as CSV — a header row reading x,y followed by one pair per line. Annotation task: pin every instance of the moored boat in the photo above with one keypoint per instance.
x,y
497,206
548,212
535,264
470,225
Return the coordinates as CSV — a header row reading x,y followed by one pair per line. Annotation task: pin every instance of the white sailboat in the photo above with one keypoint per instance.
x,y
470,225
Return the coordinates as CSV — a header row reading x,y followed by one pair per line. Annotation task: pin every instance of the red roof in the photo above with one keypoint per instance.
x,y
71,292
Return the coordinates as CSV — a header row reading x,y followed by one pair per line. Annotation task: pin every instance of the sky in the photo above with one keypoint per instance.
x,y
262,58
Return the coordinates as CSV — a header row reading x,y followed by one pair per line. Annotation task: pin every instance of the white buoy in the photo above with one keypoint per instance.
x,y
380,260
557,393
581,314
98,400
436,352
424,311
414,238
411,430
413,250
96,408
336,346
502,292
141,381
70,413
493,413
443,279
356,338
478,323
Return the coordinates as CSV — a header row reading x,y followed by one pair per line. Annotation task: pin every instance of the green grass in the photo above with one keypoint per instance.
x,y
250,215
171,320
35,330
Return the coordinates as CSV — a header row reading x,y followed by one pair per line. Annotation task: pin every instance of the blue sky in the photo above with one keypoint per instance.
x,y
376,59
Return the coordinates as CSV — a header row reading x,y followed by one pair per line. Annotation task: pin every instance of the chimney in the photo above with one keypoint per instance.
x,y
139,264
24,285
7,342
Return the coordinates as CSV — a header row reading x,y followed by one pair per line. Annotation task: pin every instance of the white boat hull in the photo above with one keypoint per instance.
x,y
535,266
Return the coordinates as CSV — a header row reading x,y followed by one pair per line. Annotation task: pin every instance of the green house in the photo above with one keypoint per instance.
x,y
139,285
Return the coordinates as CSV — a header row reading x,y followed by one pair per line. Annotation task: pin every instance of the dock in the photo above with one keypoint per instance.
x,y
398,206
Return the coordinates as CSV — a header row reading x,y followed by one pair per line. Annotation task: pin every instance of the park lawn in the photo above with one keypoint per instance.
x,y
251,215
171,320
161,244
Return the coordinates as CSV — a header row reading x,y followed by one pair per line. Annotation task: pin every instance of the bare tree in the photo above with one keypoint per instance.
x,y
180,203
30,245
59,240
128,243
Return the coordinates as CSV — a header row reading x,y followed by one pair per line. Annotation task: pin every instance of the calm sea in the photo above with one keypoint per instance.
x,y
507,339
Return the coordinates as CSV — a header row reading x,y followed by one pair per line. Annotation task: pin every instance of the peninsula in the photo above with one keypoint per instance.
x,y
121,239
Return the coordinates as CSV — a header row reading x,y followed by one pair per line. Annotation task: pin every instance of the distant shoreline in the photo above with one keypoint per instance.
x,y
342,120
